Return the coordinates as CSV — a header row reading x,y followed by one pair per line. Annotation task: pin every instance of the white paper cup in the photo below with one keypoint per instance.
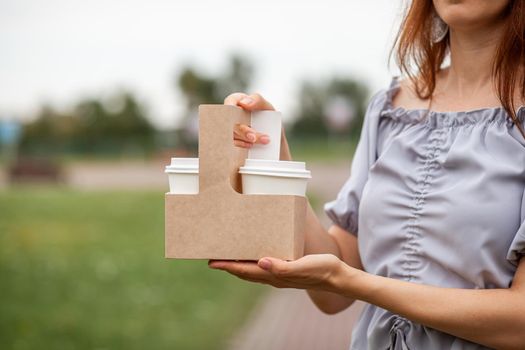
x,y
183,175
262,176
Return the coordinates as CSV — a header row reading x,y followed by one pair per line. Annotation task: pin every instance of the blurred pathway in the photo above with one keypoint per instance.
x,y
327,178
119,175
106,175
286,319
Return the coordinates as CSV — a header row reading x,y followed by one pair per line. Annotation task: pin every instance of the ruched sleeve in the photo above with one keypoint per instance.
x,y
517,247
344,210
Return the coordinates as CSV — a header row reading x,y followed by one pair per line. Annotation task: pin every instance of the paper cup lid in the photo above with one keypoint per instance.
x,y
183,165
275,168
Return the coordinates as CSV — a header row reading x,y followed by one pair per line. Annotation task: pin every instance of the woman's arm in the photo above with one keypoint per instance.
x,y
337,242
492,317
317,240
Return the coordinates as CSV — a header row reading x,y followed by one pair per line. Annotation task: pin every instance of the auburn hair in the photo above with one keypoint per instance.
x,y
420,59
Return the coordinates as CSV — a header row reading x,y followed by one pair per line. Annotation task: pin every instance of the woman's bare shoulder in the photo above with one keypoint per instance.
x,y
406,96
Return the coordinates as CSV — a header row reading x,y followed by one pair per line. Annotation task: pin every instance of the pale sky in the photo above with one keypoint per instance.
x,y
58,51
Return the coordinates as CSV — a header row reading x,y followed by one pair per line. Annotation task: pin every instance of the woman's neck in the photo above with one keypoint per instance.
x,y
471,56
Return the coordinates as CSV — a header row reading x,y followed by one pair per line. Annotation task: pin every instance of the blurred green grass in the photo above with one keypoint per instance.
x,y
85,270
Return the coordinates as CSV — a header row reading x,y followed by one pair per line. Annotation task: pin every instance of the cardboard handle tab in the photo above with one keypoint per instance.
x,y
219,159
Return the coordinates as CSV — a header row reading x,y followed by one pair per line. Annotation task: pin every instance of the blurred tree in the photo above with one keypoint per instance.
x,y
333,108
201,89
93,127
197,89
49,133
309,118
354,94
237,78
93,120
129,125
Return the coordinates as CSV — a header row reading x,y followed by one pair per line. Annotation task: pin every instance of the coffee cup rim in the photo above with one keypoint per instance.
x,y
183,166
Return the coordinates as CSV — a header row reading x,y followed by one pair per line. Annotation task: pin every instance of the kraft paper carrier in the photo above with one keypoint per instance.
x,y
220,222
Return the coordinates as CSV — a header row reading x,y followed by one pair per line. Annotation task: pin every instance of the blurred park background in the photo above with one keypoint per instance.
x,y
95,97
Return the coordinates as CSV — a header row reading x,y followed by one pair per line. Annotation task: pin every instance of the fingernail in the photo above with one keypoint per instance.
x,y
251,136
264,140
247,101
214,265
265,264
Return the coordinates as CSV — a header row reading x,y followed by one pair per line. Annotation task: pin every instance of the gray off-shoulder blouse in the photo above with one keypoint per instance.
x,y
436,198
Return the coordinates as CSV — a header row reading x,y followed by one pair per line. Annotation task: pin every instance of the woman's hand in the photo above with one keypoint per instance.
x,y
243,135
316,271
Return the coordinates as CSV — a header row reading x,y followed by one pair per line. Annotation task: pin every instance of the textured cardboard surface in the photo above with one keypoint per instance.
x,y
221,223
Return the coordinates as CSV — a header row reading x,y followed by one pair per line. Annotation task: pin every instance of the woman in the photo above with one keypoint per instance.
x,y
430,227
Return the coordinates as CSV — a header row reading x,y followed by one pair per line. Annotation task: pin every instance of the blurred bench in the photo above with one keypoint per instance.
x,y
35,170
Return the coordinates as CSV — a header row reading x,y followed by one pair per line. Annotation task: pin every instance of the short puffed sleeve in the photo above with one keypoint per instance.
x,y
517,247
344,210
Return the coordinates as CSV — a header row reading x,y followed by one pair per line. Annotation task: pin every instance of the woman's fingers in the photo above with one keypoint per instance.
x,y
233,99
250,271
241,143
243,135
247,141
248,136
255,102
244,132
242,269
249,102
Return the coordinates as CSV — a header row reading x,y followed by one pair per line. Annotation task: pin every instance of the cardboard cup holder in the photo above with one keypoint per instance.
x,y
220,222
